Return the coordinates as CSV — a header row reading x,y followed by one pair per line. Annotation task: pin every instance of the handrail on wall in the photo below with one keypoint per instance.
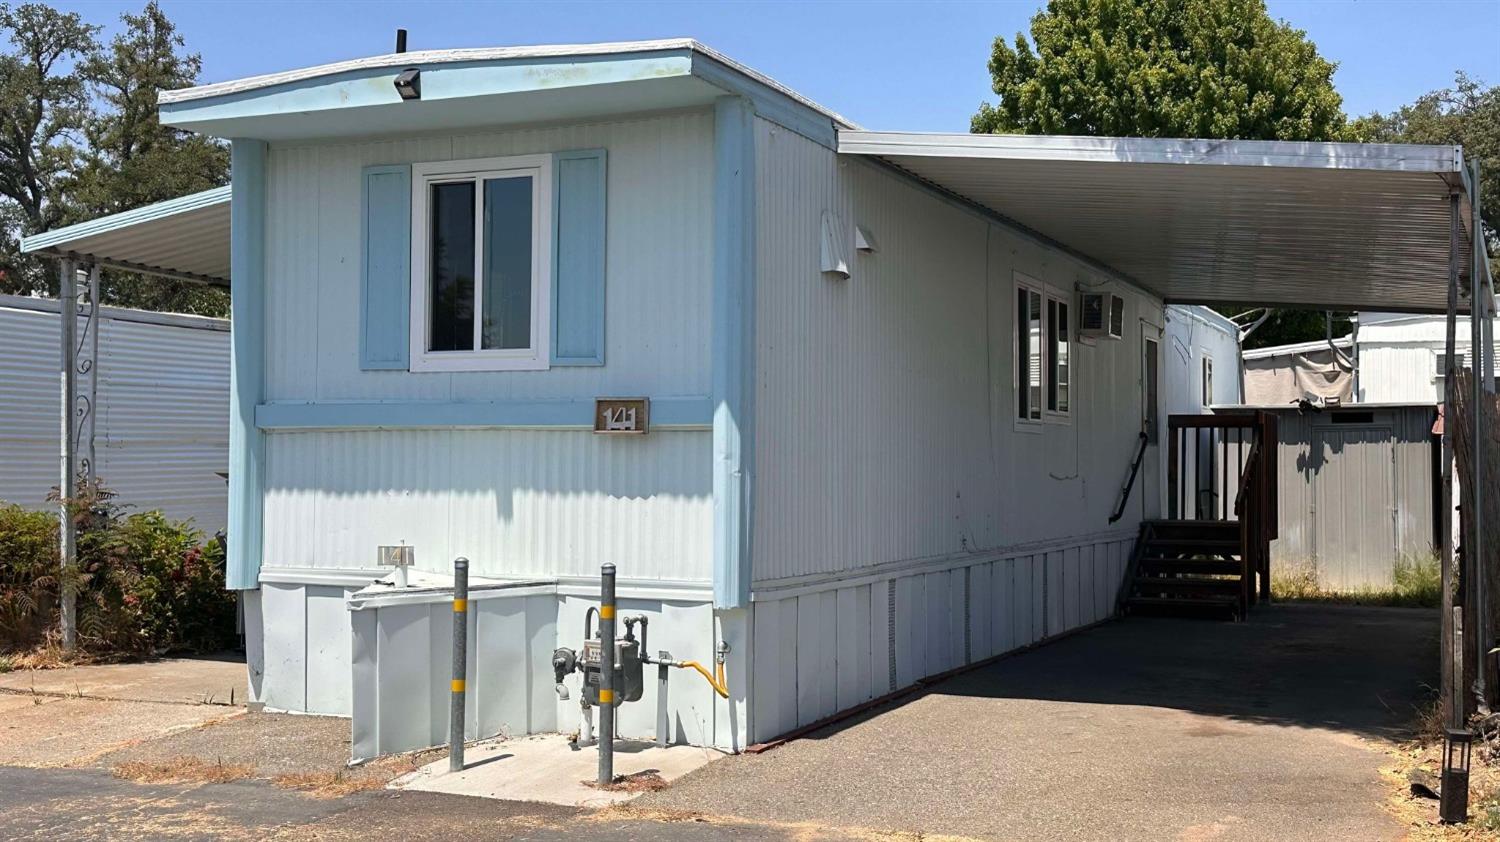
x,y
1135,468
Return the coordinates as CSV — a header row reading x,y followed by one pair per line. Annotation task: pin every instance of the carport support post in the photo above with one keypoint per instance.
x,y
460,664
1452,701
1474,553
67,295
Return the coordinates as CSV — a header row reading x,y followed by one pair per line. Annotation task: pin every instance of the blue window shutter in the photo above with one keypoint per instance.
x,y
578,258
385,267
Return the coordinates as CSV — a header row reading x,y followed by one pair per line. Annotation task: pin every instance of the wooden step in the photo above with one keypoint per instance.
x,y
1183,584
1183,605
1207,545
1202,567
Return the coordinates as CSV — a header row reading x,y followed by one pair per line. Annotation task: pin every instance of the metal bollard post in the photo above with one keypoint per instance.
x,y
607,674
663,718
460,663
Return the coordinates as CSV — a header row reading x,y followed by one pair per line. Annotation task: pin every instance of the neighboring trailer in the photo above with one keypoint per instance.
x,y
1357,492
162,436
1201,360
1402,359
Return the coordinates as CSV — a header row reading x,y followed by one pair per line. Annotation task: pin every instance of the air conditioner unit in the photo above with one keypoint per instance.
x,y
1101,314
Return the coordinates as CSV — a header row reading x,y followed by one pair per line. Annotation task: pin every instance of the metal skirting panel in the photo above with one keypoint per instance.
x,y
297,646
162,436
885,408
515,502
401,667
658,264
826,650
1355,498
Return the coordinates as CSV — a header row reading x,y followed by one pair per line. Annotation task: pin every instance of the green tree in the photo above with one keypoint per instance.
x,y
44,103
92,117
133,160
1169,68
1468,114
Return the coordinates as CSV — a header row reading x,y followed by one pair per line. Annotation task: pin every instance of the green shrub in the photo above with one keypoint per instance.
x,y
1416,583
145,584
28,567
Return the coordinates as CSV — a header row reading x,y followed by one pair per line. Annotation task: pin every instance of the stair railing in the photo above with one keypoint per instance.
x,y
1135,469
1247,512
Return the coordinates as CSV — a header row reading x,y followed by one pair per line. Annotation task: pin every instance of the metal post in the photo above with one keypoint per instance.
x,y
607,674
90,365
1453,707
1474,544
67,484
663,719
460,663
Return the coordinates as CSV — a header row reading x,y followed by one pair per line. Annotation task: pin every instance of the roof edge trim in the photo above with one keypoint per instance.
x,y
49,240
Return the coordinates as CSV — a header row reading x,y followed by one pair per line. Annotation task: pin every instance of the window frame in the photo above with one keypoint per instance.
x,y
1206,373
1050,369
535,357
1035,413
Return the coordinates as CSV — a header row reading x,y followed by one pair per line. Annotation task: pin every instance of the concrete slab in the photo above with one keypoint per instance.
x,y
177,680
548,769
50,731
1147,729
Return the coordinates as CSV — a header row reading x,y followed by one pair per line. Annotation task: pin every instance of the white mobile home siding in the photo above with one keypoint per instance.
x,y
516,503
162,435
1192,335
1398,356
902,523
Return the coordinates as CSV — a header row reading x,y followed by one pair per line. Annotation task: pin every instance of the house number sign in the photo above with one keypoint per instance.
x,y
622,415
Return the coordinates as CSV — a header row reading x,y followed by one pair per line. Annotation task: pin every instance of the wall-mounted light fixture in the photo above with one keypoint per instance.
x,y
409,83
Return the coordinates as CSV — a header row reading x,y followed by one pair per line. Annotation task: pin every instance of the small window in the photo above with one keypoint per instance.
x,y
1029,351
1058,364
1208,381
1150,419
481,264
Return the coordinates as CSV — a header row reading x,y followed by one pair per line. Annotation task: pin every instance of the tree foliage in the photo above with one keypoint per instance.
x,y
1162,68
89,111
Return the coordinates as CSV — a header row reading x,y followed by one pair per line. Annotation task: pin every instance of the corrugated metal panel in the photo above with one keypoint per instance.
x,y
163,411
1354,498
1215,221
516,503
659,251
186,236
884,405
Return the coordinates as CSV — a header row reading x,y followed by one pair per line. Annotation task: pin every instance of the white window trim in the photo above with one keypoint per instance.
x,y
1047,416
424,175
1206,374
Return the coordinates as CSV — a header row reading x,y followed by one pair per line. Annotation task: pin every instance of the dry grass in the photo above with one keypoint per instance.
x,y
183,770
644,781
1424,752
335,784
1417,583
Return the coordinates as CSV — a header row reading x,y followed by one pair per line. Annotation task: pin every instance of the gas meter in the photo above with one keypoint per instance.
x,y
629,680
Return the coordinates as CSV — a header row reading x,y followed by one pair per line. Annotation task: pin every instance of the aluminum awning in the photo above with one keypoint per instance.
x,y
185,238
1328,226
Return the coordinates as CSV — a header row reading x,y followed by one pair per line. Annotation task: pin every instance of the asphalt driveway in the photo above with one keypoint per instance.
x,y
1143,729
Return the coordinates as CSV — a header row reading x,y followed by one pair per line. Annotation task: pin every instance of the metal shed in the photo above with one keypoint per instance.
x,y
1358,491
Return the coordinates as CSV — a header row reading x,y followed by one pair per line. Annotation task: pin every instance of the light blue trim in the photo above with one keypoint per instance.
x,y
247,449
579,231
385,267
125,219
316,96
768,102
672,413
733,350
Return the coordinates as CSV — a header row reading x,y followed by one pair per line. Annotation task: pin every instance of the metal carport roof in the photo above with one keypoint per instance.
x,y
1342,226
186,238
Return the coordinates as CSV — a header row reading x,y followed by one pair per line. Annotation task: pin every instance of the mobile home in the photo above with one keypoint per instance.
x,y
846,409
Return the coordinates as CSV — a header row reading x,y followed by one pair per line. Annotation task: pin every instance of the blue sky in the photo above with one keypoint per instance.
x,y
887,65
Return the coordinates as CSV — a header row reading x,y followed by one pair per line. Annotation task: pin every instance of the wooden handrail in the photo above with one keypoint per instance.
x,y
1250,472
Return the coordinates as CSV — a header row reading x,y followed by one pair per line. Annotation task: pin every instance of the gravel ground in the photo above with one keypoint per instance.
x,y
1271,729
273,743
